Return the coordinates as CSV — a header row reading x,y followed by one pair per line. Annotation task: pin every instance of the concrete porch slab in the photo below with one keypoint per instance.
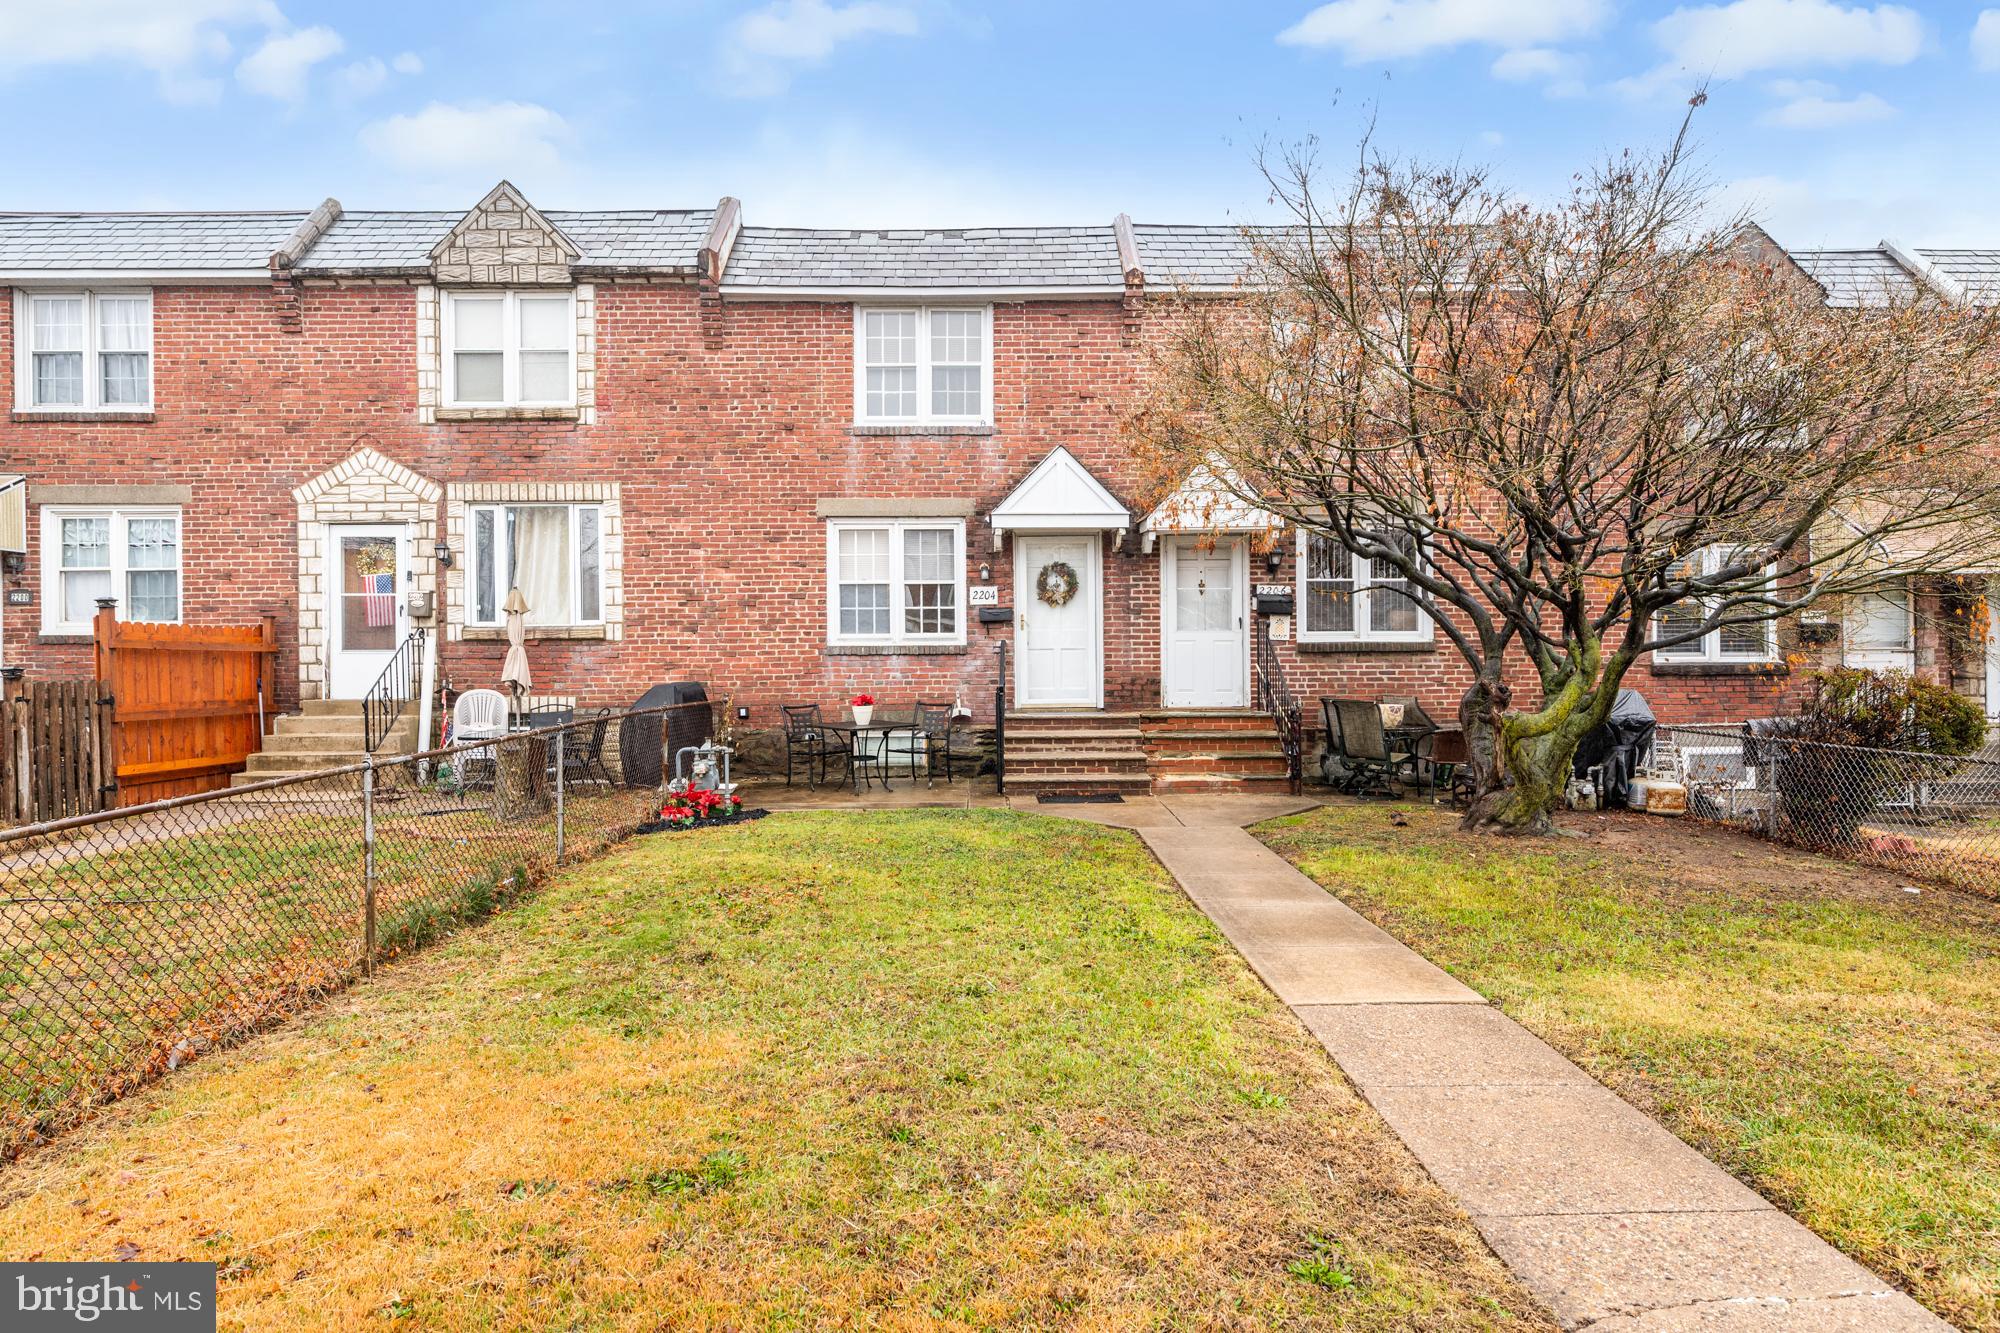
x,y
1540,1149
1596,1267
1437,1045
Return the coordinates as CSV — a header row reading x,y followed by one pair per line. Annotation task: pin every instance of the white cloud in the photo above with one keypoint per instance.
x,y
279,68
763,49
1388,29
362,77
1492,138
476,139
1728,41
1559,72
408,62
1986,40
1810,105
179,41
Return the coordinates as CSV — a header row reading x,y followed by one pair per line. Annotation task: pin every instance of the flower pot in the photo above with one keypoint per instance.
x,y
863,714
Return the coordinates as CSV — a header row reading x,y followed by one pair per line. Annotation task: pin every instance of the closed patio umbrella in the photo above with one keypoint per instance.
x,y
514,673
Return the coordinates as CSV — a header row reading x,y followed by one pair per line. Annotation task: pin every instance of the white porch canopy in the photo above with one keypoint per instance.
x,y
1059,495
1209,500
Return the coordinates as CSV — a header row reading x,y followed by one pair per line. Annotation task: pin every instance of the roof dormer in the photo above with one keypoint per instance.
x,y
505,241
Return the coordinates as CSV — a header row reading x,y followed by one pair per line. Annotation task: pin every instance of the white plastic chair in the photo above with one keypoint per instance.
x,y
478,715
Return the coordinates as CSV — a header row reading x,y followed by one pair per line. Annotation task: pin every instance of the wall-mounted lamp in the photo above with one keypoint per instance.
x,y
443,553
986,573
1273,558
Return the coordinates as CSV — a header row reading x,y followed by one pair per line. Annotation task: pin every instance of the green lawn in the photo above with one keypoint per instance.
x,y
1810,1025
891,1070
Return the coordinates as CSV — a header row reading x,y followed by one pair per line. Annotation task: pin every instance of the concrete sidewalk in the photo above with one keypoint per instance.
x,y
1603,1214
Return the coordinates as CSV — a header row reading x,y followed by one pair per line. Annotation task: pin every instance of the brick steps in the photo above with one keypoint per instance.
x,y
1134,752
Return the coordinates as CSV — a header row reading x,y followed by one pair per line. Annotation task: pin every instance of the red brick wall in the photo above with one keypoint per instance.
x,y
721,453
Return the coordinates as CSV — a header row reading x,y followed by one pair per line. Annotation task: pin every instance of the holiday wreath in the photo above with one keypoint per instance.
x,y
1056,584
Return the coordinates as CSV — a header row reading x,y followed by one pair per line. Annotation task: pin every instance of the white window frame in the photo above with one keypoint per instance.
x,y
121,550
93,372
924,416
898,583
510,348
576,585
1708,648
1363,581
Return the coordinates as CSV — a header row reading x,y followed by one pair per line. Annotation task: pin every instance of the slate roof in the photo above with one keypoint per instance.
x,y
1978,271
1193,256
141,241
1029,258
632,238
1856,277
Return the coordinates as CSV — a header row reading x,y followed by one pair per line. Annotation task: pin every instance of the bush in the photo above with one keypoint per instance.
x,y
1887,724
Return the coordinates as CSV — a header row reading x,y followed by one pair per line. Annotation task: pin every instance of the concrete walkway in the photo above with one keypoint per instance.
x,y
1603,1214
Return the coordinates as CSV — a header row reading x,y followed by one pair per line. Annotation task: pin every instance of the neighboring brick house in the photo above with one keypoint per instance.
x,y
793,464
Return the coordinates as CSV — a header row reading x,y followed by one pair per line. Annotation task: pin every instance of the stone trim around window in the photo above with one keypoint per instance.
x,y
459,495
430,368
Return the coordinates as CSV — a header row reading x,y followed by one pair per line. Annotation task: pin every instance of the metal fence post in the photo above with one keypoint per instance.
x,y
562,734
368,866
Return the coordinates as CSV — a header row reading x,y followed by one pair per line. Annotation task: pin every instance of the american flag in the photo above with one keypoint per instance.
x,y
378,601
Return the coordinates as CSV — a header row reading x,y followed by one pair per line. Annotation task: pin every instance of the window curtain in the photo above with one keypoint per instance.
x,y
540,562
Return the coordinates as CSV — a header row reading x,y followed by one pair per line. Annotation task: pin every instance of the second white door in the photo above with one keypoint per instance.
x,y
1205,657
365,608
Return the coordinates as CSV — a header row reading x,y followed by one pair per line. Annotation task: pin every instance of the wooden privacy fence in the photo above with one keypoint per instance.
x,y
188,701
56,757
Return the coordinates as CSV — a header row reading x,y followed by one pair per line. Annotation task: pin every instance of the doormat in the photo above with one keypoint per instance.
x,y
1081,798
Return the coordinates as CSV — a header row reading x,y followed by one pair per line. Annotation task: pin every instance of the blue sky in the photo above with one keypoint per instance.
x,y
1840,123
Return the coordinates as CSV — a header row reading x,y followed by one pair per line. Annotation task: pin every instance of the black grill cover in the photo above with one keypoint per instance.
x,y
644,741
1619,744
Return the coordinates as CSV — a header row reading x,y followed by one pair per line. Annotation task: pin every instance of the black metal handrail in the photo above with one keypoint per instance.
x,y
1000,723
393,690
1274,696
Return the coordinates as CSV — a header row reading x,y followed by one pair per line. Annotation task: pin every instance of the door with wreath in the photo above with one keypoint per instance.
x,y
1055,622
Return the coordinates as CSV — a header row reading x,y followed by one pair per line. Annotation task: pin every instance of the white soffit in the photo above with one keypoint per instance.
x,y
1060,495
1209,500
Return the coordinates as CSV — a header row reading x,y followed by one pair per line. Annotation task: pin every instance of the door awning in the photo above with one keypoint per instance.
x,y
13,513
1210,500
1059,495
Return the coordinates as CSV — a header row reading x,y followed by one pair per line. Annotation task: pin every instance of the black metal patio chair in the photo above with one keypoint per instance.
x,y
808,740
1359,757
583,751
939,725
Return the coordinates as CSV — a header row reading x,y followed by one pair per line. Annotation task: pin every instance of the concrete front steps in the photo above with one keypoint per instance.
x,y
1089,751
326,733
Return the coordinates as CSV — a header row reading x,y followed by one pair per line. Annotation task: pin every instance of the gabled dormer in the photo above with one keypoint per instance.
x,y
504,240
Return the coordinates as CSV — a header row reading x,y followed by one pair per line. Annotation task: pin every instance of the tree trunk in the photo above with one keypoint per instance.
x,y
1481,710
1536,752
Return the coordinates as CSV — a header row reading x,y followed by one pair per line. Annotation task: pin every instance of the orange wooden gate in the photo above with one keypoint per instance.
x,y
188,701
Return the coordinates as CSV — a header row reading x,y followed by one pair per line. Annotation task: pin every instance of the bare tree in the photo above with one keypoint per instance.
x,y
1581,432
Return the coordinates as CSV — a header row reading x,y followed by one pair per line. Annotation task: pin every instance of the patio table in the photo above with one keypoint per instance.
x,y
870,744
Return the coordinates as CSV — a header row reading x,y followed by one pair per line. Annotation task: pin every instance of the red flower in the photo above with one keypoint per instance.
x,y
863,701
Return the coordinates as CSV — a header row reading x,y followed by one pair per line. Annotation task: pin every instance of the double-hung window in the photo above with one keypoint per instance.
x,y
554,553
1344,598
133,555
895,582
923,365
509,349
1748,640
84,351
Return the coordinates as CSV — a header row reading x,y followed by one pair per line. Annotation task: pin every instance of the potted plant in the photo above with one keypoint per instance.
x,y
864,708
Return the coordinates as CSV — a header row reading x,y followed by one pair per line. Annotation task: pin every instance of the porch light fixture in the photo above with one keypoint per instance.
x,y
1273,558
443,553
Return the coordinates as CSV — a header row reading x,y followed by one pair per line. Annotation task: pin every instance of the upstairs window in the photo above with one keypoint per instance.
x,y
553,553
133,555
901,582
923,365
509,349
1346,599
85,351
1752,641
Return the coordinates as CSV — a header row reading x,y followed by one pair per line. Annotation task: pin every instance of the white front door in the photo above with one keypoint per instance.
x,y
366,614
1056,647
1204,635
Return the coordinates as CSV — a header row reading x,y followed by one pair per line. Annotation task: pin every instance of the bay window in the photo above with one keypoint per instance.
x,y
133,555
897,582
552,552
1746,641
923,365
84,351
509,349
1344,598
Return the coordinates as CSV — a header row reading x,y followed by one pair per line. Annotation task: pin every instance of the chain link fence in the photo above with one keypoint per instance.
x,y
134,939
1926,815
